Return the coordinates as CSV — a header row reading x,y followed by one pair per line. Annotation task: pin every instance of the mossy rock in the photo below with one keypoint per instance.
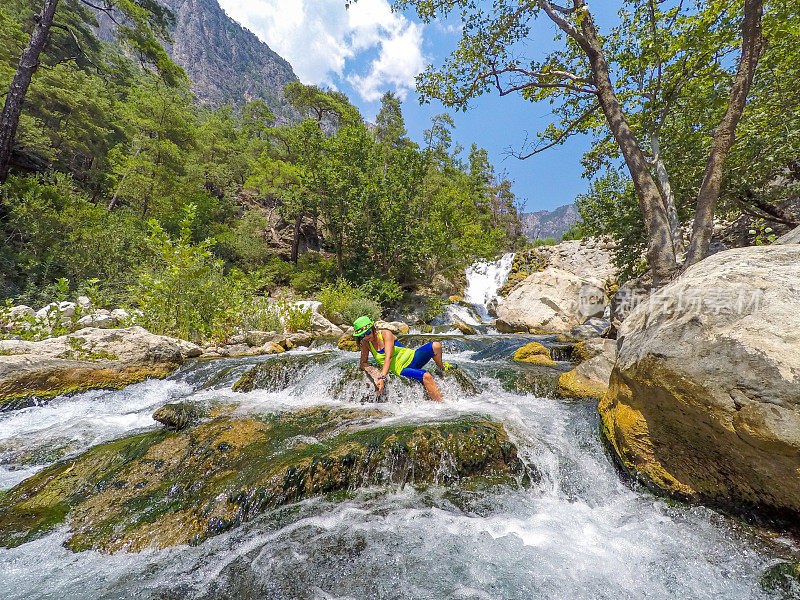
x,y
534,352
32,388
572,385
280,372
583,351
348,343
178,415
540,382
458,378
464,328
164,488
783,579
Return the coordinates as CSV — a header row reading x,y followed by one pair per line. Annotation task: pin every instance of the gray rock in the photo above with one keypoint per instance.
x,y
396,327
704,400
594,327
321,326
84,301
47,312
67,309
301,338
793,237
89,358
259,338
20,312
120,314
552,300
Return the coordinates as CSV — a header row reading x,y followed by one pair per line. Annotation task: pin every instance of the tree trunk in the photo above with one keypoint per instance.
x,y
660,250
724,134
28,63
668,197
296,238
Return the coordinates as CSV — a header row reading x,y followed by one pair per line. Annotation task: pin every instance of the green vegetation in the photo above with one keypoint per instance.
x,y
197,216
344,302
694,102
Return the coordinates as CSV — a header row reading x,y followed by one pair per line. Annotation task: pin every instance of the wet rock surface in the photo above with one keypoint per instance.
x,y
279,372
166,488
90,358
589,379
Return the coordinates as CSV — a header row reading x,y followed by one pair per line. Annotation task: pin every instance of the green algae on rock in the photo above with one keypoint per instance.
x,y
534,352
166,488
91,359
280,372
783,579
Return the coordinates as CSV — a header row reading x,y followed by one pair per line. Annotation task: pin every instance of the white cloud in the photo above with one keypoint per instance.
x,y
321,39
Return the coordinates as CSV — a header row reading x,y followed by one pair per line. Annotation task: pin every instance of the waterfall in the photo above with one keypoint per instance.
x,y
484,279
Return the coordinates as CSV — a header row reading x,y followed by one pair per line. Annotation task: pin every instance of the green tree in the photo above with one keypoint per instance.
x,y
145,23
578,76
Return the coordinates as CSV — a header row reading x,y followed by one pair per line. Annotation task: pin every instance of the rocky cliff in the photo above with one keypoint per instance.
x,y
549,223
226,62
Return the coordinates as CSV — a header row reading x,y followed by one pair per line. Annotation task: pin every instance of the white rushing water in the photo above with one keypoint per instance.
x,y
578,534
484,279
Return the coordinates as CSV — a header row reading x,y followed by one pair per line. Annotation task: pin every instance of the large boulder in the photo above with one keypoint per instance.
x,y
165,488
551,301
90,358
589,379
704,400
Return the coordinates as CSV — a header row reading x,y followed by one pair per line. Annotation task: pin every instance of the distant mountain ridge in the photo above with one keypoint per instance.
x,y
226,62
549,223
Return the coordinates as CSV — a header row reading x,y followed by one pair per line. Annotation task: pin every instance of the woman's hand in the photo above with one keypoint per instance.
x,y
379,385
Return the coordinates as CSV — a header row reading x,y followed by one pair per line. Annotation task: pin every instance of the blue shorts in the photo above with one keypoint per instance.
x,y
422,356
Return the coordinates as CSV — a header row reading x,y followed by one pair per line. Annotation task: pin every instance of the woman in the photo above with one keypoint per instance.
x,y
394,357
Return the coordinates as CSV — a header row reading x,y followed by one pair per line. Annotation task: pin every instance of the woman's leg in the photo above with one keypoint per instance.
x,y
426,379
430,386
437,355
423,354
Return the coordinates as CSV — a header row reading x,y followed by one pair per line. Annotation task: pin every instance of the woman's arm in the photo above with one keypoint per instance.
x,y
364,362
388,349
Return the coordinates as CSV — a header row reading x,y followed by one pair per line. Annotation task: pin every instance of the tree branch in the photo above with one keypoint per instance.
x,y
562,23
108,10
564,134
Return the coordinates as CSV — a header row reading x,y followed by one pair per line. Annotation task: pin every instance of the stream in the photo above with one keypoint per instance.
x,y
580,532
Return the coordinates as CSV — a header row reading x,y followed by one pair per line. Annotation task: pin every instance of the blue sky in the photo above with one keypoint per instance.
x,y
367,50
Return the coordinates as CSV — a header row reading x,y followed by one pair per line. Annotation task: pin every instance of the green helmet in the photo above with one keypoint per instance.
x,y
362,325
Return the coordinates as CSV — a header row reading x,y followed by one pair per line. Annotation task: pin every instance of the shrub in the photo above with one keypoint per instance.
x,y
312,272
575,232
347,302
295,318
245,241
53,231
384,291
359,307
543,242
435,307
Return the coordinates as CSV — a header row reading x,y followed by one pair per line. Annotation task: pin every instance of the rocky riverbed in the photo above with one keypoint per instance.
x,y
284,476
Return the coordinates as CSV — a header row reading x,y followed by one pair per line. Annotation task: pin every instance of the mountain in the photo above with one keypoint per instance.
x,y
227,63
549,223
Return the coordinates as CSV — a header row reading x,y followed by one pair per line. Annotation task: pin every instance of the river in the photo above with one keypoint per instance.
x,y
581,532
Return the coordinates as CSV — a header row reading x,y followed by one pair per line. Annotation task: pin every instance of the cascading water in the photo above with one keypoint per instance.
x,y
484,279
577,533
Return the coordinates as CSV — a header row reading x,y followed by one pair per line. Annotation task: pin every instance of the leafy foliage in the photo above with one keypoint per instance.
x,y
348,302
153,202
